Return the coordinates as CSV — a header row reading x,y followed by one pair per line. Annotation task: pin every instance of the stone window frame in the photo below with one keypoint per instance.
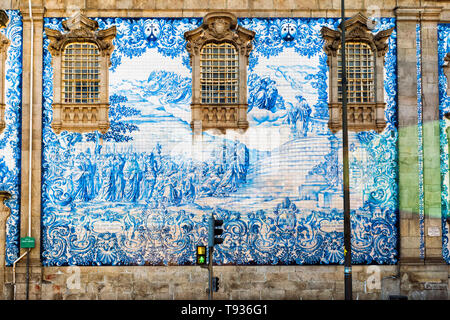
x,y
361,116
80,117
4,45
219,27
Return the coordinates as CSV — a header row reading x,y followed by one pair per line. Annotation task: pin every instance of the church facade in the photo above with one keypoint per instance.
x,y
124,125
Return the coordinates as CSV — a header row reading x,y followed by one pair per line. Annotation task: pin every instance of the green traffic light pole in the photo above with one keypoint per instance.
x,y
347,226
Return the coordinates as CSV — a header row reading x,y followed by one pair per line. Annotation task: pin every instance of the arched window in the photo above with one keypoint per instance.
x,y
360,73
219,69
219,51
80,61
81,73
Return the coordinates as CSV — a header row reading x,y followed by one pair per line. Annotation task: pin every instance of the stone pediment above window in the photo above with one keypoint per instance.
x,y
365,54
356,30
80,60
4,44
219,50
80,29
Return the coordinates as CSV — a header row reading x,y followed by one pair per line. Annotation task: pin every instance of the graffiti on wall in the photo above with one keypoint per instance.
x,y
143,192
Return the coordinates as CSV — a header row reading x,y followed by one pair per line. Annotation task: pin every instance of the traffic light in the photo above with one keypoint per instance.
x,y
215,284
201,255
215,230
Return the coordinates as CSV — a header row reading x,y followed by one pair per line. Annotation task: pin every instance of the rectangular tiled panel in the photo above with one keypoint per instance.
x,y
142,193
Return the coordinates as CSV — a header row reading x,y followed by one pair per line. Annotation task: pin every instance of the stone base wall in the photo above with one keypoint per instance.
x,y
417,282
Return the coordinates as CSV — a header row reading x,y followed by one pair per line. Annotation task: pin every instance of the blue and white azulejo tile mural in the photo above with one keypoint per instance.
x,y
142,193
10,138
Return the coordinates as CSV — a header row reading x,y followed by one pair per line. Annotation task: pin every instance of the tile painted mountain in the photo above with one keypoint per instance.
x,y
142,192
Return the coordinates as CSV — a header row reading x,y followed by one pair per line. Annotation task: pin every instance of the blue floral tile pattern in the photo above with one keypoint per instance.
x,y
141,194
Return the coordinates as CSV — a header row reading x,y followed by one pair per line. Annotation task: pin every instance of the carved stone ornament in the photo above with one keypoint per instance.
x,y
219,27
361,116
80,117
4,44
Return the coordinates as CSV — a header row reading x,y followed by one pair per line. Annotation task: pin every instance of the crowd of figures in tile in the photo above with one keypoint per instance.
x,y
108,175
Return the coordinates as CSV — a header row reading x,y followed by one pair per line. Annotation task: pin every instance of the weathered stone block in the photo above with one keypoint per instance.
x,y
246,295
261,4
273,294
218,4
410,242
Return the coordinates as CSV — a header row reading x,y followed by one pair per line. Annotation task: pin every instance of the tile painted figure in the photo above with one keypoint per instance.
x,y
141,194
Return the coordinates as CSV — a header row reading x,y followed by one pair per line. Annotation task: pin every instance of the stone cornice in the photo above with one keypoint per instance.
x,y
38,13
407,14
431,14
418,13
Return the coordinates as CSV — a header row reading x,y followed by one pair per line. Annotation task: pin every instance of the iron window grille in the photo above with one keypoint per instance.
x,y
219,78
